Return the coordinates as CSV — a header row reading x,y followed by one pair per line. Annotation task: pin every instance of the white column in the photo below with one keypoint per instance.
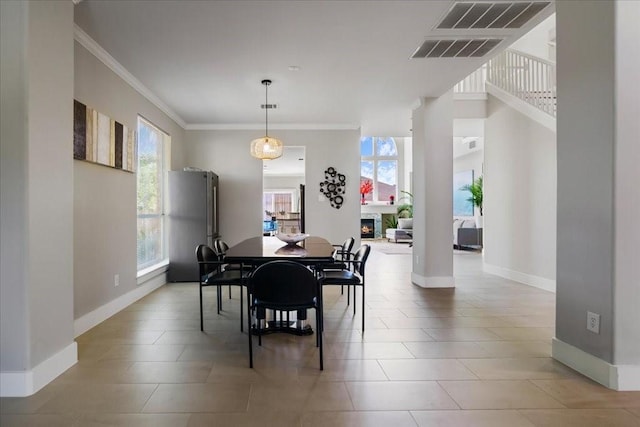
x,y
598,198
36,109
433,193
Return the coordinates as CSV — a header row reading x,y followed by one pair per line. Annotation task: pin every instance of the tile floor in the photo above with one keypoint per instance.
x,y
476,355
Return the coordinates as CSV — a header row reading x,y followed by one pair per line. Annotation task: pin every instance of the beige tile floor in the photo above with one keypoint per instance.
x,y
476,355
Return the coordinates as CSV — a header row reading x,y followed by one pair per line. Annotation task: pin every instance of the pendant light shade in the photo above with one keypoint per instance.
x,y
266,147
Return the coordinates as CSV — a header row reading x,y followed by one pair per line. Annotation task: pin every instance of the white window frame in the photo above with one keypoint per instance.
x,y
293,193
165,162
399,158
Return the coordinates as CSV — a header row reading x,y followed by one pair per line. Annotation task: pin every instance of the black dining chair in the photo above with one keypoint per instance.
x,y
342,254
283,286
353,276
213,273
221,247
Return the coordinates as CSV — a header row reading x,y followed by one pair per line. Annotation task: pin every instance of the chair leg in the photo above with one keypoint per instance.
x,y
201,317
249,327
319,331
354,300
229,291
218,295
348,294
362,307
241,311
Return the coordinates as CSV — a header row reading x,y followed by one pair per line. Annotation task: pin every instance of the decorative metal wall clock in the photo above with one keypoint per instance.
x,y
334,187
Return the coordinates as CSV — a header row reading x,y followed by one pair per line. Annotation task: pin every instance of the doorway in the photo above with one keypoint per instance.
x,y
283,192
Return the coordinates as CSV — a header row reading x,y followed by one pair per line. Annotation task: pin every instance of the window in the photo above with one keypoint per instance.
x,y
277,202
151,175
379,165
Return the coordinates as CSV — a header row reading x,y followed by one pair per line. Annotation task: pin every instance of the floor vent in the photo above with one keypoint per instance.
x,y
491,15
462,48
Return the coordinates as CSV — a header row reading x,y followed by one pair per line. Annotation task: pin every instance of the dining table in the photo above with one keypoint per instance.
x,y
313,251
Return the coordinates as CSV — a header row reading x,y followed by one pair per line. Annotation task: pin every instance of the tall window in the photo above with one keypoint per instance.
x,y
379,164
152,146
277,202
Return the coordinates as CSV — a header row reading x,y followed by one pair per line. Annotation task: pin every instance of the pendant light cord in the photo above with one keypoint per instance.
x,y
266,109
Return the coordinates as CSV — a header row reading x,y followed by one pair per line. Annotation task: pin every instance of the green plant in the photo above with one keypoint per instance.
x,y
475,189
391,222
405,210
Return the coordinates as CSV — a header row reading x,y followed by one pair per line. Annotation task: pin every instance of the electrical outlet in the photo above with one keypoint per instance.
x,y
116,280
593,322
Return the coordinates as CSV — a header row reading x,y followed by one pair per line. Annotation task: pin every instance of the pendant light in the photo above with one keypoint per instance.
x,y
266,148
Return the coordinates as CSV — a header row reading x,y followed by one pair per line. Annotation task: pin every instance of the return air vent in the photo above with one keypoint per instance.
x,y
463,48
469,15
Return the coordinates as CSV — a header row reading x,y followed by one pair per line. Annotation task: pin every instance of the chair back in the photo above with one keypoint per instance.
x,y
347,247
283,284
220,246
205,253
360,259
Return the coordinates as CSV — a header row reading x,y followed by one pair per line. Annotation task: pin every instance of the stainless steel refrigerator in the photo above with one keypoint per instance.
x,y
193,220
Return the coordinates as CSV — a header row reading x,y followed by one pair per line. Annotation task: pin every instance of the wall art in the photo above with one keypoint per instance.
x,y
100,139
334,187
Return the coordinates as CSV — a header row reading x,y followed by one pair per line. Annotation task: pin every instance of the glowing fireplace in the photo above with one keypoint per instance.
x,y
367,228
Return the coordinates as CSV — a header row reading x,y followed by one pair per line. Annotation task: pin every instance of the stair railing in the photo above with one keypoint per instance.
x,y
531,79
473,83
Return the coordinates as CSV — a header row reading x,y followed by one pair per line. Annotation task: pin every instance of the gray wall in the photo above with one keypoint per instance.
x,y
227,154
520,193
586,140
105,198
37,182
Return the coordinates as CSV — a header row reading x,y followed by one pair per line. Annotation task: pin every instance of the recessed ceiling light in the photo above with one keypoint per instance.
x,y
294,68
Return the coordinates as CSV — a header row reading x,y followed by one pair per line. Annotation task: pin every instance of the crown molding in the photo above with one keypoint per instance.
x,y
98,51
272,126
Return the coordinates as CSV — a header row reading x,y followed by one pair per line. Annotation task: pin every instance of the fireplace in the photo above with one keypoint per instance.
x,y
367,228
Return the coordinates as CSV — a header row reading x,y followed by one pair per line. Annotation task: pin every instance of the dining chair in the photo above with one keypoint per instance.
x,y
353,276
341,254
213,273
283,286
221,247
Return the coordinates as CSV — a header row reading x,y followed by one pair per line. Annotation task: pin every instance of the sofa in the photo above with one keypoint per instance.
x,y
466,234
403,232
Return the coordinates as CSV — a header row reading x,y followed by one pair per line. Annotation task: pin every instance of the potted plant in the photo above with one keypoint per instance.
x,y
405,210
475,189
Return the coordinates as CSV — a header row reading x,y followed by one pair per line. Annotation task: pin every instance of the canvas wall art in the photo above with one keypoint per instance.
x,y
99,139
461,206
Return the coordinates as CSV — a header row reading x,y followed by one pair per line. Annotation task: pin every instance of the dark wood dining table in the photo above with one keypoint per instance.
x,y
257,250
312,251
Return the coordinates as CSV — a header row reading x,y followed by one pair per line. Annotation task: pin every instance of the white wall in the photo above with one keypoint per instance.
x,y
37,249
519,196
627,196
536,41
14,336
227,154
105,198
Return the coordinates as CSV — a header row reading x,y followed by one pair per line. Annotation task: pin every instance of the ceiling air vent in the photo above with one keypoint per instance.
x,y
268,106
469,15
463,48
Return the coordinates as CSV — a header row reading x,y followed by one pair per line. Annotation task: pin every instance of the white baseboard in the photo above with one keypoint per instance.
x,y
616,377
26,383
433,281
100,314
527,279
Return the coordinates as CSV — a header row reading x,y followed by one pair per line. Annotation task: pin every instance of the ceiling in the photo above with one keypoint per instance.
x,y
205,59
